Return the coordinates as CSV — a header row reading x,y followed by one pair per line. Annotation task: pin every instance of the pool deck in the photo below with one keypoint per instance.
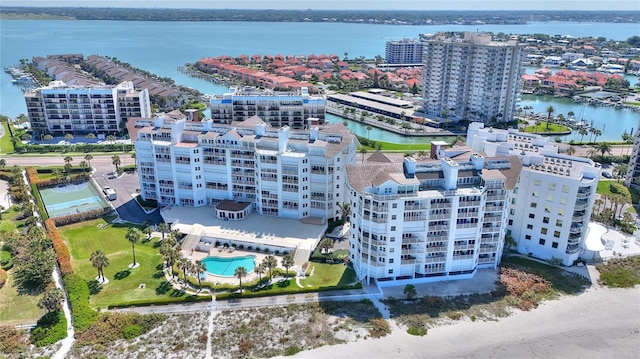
x,y
257,229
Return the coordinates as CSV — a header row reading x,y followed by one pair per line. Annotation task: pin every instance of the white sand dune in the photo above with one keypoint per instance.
x,y
600,323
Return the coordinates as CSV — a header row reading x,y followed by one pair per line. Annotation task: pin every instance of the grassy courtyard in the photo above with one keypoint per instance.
x,y
145,283
542,128
16,308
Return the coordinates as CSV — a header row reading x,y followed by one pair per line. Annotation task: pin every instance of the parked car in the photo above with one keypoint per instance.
x,y
606,175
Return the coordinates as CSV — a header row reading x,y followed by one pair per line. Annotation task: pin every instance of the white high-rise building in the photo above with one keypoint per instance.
x,y
58,108
471,78
277,109
277,172
553,198
633,172
440,219
405,52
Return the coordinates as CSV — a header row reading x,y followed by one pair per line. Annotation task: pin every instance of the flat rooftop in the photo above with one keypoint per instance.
x,y
282,232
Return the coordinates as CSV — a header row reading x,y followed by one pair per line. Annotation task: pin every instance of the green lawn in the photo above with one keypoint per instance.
x,y
6,146
329,275
146,282
8,221
17,308
542,128
604,188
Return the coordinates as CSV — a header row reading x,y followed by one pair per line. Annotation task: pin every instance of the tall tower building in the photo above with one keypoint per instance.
x,y
633,172
58,108
405,51
471,78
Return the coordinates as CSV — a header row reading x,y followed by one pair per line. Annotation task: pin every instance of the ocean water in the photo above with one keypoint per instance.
x,y
160,47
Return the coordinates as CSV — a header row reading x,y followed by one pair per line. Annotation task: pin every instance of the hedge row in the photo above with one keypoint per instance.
x,y
80,217
162,301
295,290
51,328
53,182
62,251
85,148
3,277
78,291
36,196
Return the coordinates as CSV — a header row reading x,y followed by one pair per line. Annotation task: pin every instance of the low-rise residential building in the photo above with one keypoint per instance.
x,y
433,220
59,108
276,172
552,200
293,109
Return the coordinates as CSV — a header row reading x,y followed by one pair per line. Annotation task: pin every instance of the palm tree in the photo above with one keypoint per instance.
x,y
170,255
200,269
84,166
260,270
570,114
88,157
627,138
620,171
133,236
287,262
596,133
369,128
163,228
3,163
184,264
270,262
68,159
550,110
115,160
582,131
603,148
51,300
91,136
345,209
148,230
363,151
240,272
99,261
571,150
326,244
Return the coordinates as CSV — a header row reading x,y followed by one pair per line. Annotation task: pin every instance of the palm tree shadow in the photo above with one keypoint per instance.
x,y
122,274
94,287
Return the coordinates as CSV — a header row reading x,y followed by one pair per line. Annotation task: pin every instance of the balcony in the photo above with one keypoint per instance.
x,y
436,249
435,259
463,257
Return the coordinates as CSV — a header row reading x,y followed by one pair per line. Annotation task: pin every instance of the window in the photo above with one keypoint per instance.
x,y
545,220
527,237
532,216
394,205
537,182
549,197
563,200
393,216
554,244
513,201
558,223
515,190
393,228
535,193
534,205
552,186
392,239
541,241
391,250
561,212
512,211
390,271
543,231
391,261
565,189
529,226
547,209
511,222
556,234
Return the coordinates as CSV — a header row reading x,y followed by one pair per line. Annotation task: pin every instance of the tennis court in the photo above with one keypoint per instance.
x,y
72,198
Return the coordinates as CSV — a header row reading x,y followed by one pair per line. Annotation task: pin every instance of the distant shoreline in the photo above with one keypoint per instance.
x,y
377,17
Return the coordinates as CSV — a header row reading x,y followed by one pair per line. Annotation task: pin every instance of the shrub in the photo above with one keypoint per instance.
x,y
418,331
81,217
78,291
51,328
620,272
454,315
3,277
132,331
61,249
379,327
292,350
12,340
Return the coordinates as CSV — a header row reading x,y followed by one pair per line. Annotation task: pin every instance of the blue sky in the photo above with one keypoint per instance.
x,y
348,4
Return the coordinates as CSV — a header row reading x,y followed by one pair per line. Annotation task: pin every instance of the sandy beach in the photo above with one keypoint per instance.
x,y
599,323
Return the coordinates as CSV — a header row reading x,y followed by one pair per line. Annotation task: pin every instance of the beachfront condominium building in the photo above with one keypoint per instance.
x,y
437,219
553,198
276,172
633,171
403,52
471,78
58,108
277,109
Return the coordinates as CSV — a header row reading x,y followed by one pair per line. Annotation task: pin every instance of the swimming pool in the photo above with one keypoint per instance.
x,y
225,267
